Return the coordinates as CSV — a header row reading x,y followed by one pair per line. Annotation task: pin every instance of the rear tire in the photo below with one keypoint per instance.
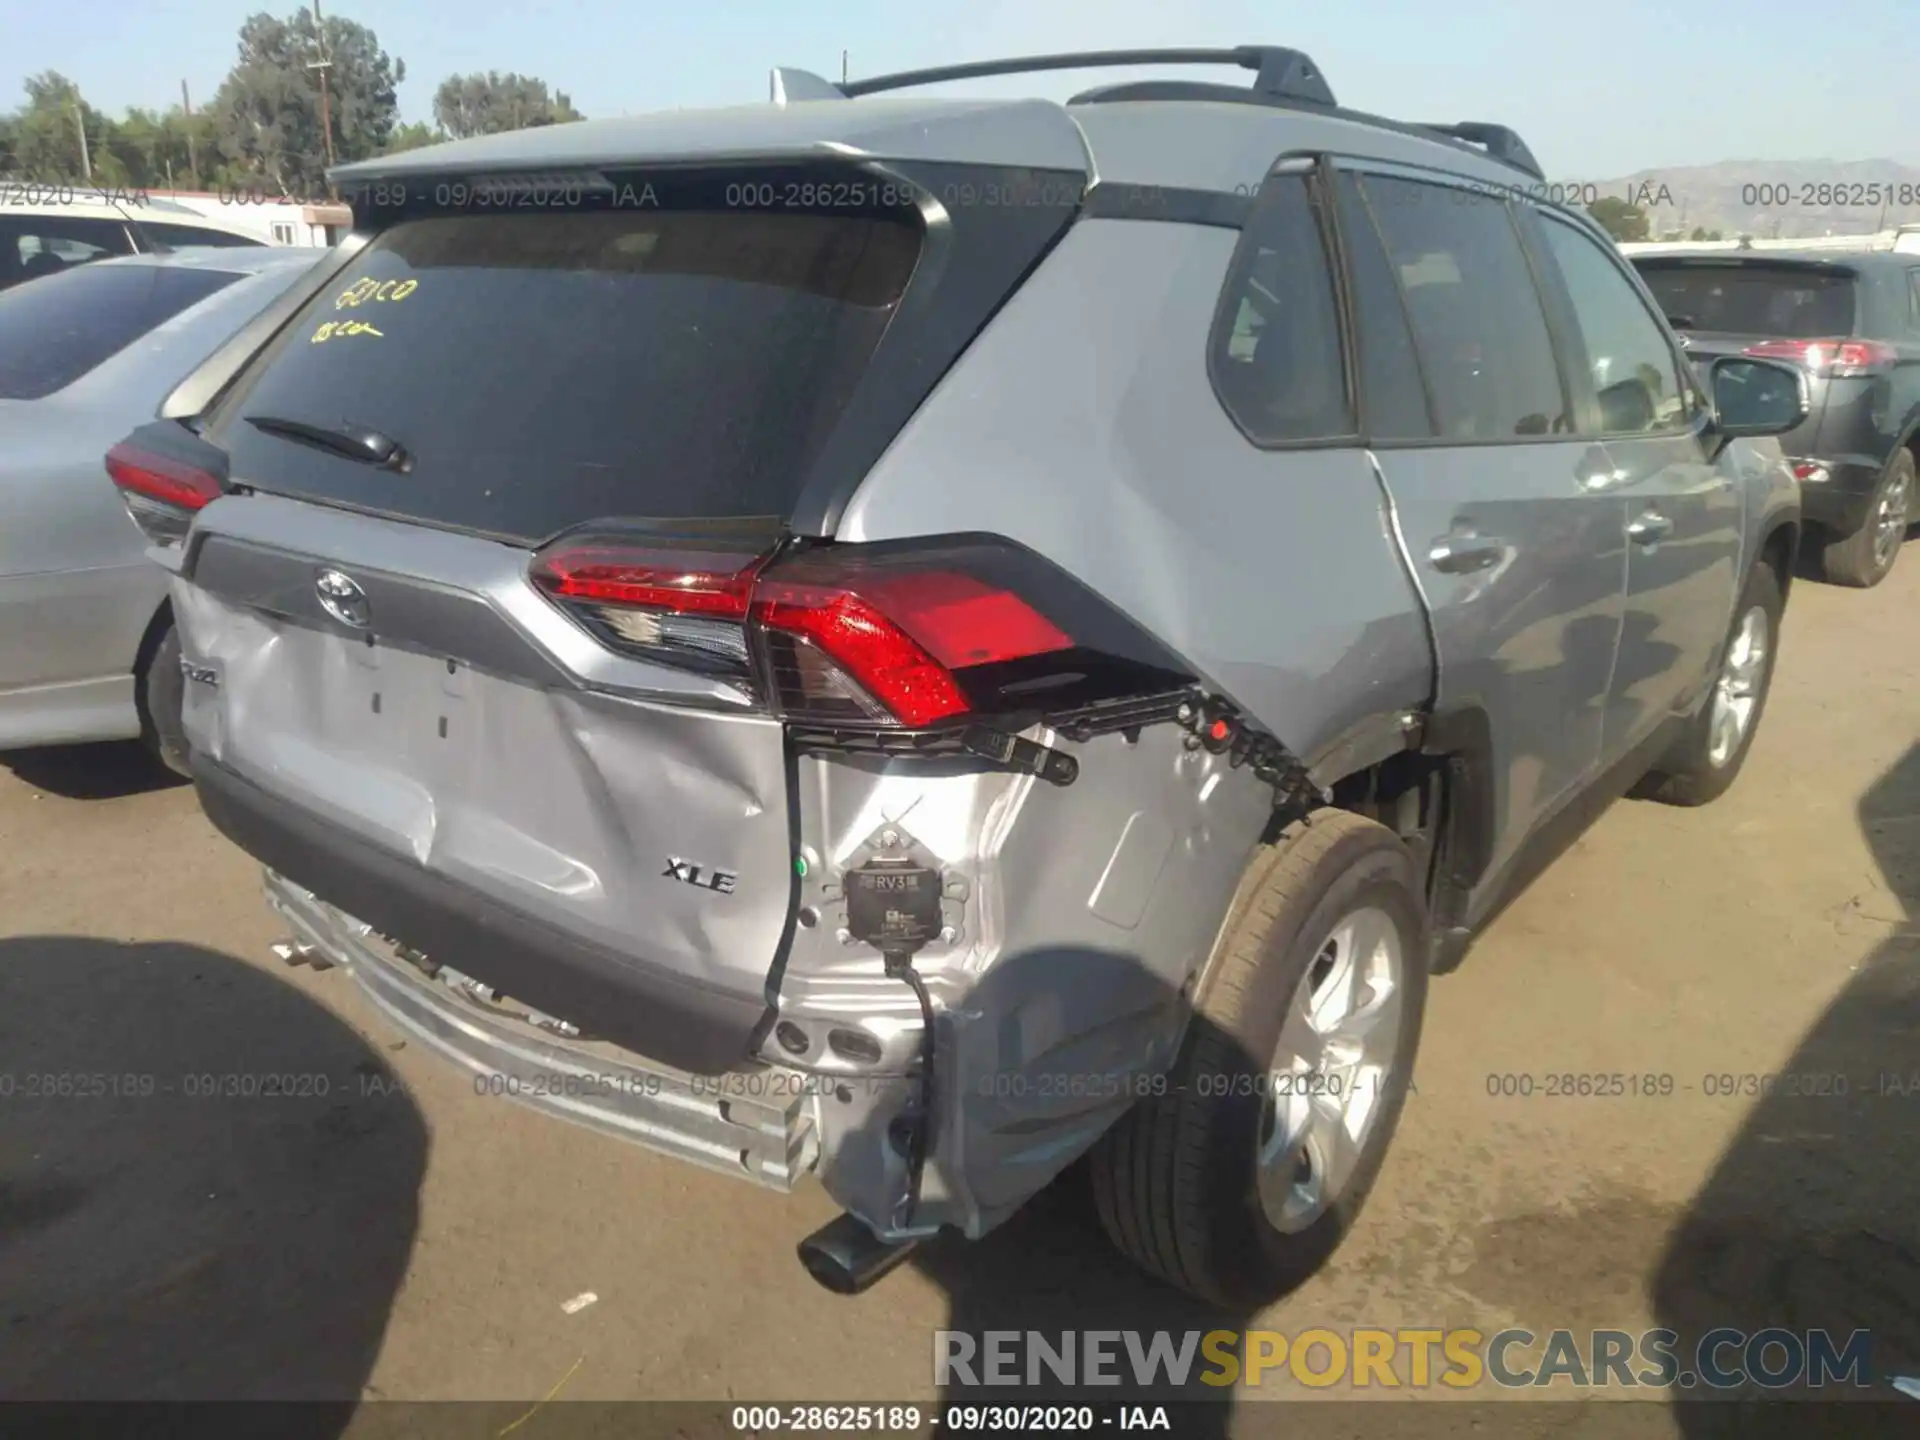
x,y
1865,558
160,690
1179,1182
1698,769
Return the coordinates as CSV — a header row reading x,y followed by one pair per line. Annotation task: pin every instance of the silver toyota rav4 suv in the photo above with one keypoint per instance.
x,y
914,640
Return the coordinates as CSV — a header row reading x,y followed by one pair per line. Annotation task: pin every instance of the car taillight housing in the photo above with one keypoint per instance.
x,y
680,602
162,493
1833,359
896,636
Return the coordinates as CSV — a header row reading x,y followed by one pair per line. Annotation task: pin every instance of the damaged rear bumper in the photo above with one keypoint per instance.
x,y
760,1125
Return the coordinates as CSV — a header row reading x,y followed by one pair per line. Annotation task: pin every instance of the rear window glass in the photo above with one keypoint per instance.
x,y
1754,299
54,331
541,370
177,236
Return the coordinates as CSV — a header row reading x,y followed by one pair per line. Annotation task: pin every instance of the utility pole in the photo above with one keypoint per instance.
x,y
324,64
843,67
193,160
80,124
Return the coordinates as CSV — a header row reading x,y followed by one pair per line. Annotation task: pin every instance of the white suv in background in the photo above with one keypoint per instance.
x,y
45,237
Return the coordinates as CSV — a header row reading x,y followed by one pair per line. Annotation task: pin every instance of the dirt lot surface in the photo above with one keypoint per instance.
x,y
402,1237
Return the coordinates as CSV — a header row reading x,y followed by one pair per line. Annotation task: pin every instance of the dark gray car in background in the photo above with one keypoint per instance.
x,y
823,638
1852,322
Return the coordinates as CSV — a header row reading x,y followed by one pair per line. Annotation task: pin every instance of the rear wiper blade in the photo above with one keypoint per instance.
x,y
355,442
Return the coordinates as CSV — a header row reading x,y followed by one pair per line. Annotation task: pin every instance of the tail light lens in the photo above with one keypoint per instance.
x,y
161,493
1834,359
679,603
903,640
894,636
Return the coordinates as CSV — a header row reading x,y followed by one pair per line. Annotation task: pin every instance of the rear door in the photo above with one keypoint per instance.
x,y
1518,557
1684,523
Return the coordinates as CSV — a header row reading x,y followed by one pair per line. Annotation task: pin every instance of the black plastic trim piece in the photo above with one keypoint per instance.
x,y
1118,200
659,1015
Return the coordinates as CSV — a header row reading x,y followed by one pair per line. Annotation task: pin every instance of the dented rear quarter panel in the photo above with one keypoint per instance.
x,y
1082,424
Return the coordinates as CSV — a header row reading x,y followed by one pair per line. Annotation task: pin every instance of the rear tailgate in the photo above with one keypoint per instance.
x,y
1722,305
448,776
389,710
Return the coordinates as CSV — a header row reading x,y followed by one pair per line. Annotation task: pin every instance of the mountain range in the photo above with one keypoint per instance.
x,y
1790,199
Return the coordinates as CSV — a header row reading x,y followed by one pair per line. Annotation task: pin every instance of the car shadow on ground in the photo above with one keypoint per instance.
x,y
110,771
1811,1219
208,1183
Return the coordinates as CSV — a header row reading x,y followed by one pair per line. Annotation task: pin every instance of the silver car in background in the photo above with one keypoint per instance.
x,y
86,635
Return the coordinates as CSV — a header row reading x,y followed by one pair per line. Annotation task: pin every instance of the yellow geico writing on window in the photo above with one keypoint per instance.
x,y
338,329
369,291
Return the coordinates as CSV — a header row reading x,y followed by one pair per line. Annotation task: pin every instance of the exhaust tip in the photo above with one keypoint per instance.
x,y
846,1257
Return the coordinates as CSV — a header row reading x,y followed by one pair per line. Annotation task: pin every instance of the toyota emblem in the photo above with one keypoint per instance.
x,y
342,598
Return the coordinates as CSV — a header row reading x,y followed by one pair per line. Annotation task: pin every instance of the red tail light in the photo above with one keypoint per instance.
x,y
901,637
862,636
691,583
680,603
1834,359
156,477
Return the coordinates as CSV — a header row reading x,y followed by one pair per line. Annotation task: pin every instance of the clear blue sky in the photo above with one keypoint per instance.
x,y
1598,88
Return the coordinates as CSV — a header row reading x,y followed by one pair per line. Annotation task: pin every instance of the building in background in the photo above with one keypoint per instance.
x,y
274,222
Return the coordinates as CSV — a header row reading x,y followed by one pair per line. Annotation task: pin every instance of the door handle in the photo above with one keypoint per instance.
x,y
1460,553
1649,528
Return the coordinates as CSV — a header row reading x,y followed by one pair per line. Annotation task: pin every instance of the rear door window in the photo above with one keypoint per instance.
x,y
179,235
1743,298
1482,337
545,369
54,332
1276,359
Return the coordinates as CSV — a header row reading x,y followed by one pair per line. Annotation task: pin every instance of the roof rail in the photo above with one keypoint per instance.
x,y
1282,73
1284,77
1499,142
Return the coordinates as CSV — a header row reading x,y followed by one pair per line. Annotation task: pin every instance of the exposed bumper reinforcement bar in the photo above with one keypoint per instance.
x,y
763,1132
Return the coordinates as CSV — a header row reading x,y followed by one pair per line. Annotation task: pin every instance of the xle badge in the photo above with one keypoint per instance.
x,y
689,873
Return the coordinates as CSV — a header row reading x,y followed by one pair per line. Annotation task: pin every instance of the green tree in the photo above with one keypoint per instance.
x,y
412,137
1620,220
485,104
267,112
45,138
1700,232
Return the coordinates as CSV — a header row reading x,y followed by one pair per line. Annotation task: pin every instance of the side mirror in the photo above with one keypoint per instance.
x,y
1753,397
